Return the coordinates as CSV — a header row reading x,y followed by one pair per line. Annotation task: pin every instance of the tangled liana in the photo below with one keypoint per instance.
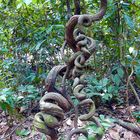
x,y
57,101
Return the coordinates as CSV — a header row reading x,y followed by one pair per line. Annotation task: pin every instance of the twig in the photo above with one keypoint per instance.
x,y
131,85
77,131
77,7
68,9
95,119
127,84
135,93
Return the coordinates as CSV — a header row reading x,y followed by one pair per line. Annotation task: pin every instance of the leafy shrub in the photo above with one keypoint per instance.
x,y
8,101
107,88
136,114
11,101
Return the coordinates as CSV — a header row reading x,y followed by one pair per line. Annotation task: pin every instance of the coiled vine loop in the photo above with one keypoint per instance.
x,y
53,105
87,47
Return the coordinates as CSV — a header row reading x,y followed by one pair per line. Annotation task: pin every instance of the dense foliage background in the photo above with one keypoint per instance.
x,y
32,34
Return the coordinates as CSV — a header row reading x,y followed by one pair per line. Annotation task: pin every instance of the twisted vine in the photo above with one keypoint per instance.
x,y
85,20
53,105
86,47
56,102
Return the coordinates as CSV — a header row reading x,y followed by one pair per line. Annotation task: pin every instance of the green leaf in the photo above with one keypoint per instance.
x,y
31,96
3,105
22,88
22,132
3,50
129,21
53,1
103,82
59,26
37,47
100,131
10,101
102,117
105,124
43,137
75,100
49,29
35,1
82,138
110,89
116,79
6,91
93,81
92,126
19,5
107,96
31,77
2,98
92,137
120,72
31,89
20,98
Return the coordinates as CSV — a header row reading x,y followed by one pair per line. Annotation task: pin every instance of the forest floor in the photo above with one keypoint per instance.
x,y
23,129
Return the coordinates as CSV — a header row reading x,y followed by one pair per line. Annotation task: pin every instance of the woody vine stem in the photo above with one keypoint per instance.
x,y
56,102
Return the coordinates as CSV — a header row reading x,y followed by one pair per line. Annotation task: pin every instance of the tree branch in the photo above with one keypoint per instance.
x,y
77,7
68,9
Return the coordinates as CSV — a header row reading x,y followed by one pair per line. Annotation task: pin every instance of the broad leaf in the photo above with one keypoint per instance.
x,y
103,82
37,47
129,21
22,132
116,79
120,72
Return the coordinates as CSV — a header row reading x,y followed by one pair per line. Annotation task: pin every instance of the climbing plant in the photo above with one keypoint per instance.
x,y
57,101
32,33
